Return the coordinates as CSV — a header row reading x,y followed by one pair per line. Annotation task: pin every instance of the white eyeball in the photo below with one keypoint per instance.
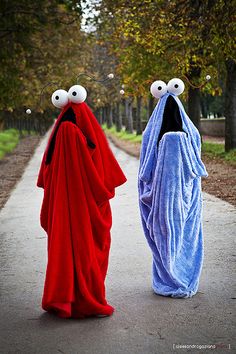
x,y
175,86
158,88
77,94
28,111
60,98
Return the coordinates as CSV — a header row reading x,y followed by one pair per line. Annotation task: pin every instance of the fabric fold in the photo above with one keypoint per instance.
x,y
76,215
171,203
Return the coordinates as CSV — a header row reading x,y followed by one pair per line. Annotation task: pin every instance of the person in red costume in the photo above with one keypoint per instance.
x,y
79,174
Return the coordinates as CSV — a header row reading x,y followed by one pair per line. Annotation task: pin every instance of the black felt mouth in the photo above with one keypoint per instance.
x,y
172,121
68,116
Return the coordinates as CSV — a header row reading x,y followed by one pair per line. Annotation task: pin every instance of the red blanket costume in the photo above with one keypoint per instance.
x,y
79,174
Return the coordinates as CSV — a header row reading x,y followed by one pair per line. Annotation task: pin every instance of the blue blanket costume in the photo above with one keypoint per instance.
x,y
170,198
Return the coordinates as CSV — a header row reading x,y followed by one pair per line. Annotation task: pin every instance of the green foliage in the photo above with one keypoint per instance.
x,y
8,141
139,40
213,148
38,45
208,148
218,150
123,135
162,39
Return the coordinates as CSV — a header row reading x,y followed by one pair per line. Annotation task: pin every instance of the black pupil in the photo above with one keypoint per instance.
x,y
57,98
176,86
159,88
74,93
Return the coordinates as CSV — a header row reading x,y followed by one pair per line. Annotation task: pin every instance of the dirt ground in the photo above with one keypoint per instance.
x,y
221,181
13,164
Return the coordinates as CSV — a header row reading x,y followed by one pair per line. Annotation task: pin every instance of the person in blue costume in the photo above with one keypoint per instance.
x,y
170,198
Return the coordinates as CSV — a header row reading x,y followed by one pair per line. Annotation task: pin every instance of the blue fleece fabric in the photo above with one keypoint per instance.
x,y
171,203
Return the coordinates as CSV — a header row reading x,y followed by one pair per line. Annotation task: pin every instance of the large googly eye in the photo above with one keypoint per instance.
x,y
158,88
175,86
60,98
77,94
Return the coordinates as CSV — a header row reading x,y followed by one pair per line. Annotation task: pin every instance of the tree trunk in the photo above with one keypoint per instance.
x,y
194,110
139,119
129,115
126,113
114,116
106,115
134,114
123,112
194,98
109,120
103,115
150,106
203,106
130,118
118,117
98,115
230,105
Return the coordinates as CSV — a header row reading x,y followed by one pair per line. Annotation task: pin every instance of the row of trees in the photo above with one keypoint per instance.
x,y
147,40
139,40
41,42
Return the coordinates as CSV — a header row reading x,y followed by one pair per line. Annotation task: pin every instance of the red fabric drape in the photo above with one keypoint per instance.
x,y
78,183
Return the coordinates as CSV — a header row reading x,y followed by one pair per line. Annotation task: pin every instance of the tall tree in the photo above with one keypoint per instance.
x,y
186,37
31,36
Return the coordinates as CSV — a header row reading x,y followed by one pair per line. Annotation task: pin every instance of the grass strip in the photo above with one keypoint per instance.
x,y
208,148
8,141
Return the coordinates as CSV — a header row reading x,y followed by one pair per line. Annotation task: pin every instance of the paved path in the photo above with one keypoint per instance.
x,y
143,322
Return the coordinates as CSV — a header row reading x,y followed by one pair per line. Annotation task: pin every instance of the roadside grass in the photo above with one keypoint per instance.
x,y
208,148
123,135
9,139
217,150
